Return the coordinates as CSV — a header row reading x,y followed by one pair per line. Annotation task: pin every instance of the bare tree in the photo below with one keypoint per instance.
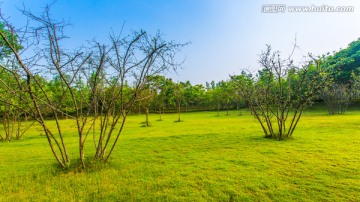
x,y
100,83
337,97
278,96
50,58
129,63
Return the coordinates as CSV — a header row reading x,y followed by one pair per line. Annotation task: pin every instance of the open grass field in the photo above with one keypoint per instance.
x,y
204,158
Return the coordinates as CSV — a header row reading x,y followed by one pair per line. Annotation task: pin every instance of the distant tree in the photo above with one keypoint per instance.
x,y
199,99
355,87
163,93
14,120
238,83
226,95
207,86
337,97
145,97
188,94
216,98
178,97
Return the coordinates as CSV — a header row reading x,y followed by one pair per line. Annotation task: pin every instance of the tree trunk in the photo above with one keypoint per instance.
x,y
147,117
82,155
179,112
160,113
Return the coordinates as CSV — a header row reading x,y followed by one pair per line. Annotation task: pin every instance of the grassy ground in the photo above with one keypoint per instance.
x,y
204,158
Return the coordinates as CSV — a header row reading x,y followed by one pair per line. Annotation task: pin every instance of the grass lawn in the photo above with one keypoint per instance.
x,y
204,158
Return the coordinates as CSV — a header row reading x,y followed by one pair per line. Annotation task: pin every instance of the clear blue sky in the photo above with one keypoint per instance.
x,y
226,35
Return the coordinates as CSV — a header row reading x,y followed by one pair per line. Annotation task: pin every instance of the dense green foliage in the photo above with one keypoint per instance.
x,y
165,95
11,37
344,62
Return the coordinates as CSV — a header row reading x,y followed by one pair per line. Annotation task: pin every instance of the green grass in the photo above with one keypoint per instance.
x,y
204,158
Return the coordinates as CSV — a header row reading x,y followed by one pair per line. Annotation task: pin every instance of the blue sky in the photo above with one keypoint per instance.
x,y
226,35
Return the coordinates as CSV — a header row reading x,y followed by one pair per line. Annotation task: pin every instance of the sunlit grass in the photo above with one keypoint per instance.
x,y
205,157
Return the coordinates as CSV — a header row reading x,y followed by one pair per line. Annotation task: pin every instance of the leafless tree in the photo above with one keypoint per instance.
x,y
337,97
49,57
278,96
130,61
99,83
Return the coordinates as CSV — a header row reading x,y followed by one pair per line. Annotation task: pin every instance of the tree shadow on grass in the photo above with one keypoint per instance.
x,y
91,165
263,138
143,124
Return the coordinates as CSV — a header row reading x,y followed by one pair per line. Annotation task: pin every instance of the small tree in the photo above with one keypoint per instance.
x,y
237,82
280,93
144,100
216,98
355,87
158,84
337,97
225,96
178,98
